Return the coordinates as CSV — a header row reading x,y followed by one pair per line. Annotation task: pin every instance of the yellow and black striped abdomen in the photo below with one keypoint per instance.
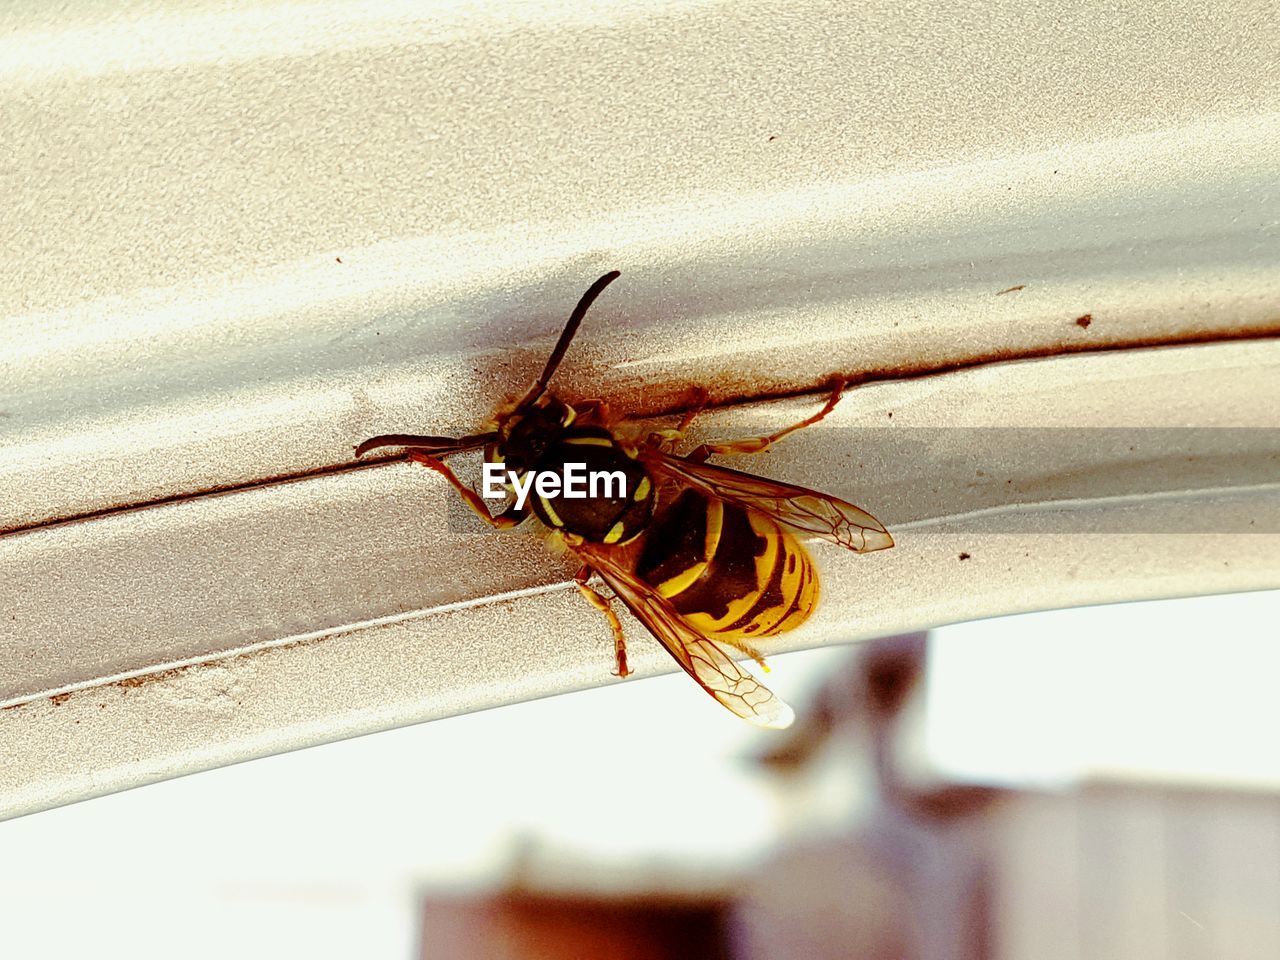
x,y
732,573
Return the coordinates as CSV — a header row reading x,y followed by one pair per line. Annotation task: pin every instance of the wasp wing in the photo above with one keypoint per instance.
x,y
808,511
700,657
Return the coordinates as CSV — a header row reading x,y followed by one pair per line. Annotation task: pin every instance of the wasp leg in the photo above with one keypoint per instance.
x,y
595,411
750,651
667,439
604,606
757,444
503,521
697,403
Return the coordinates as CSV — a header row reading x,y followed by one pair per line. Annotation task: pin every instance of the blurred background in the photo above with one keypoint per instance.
x,y
1097,782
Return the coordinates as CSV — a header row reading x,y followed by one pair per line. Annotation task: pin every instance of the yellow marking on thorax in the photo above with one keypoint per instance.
x,y
551,514
642,489
589,442
615,532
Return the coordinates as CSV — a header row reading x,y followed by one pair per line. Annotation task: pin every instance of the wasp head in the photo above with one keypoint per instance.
x,y
525,434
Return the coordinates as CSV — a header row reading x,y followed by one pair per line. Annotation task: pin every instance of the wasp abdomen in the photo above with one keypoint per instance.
x,y
731,572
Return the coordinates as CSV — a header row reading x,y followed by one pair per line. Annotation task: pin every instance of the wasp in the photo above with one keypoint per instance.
x,y
709,559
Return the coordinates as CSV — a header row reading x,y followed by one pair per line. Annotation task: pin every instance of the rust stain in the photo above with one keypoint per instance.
x,y
1084,320
1021,286
170,673
132,683
965,556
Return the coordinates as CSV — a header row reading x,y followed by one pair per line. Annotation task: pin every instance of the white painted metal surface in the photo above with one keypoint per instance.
x,y
240,239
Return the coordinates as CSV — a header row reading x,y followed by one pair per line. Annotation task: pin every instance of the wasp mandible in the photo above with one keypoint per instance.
x,y
707,558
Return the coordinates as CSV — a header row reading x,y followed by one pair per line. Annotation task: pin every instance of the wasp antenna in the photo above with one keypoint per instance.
x,y
436,446
566,337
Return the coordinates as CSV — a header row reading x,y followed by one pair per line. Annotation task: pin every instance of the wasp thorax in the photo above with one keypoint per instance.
x,y
577,479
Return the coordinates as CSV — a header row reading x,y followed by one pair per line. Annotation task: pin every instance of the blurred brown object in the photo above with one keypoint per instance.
x,y
533,926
